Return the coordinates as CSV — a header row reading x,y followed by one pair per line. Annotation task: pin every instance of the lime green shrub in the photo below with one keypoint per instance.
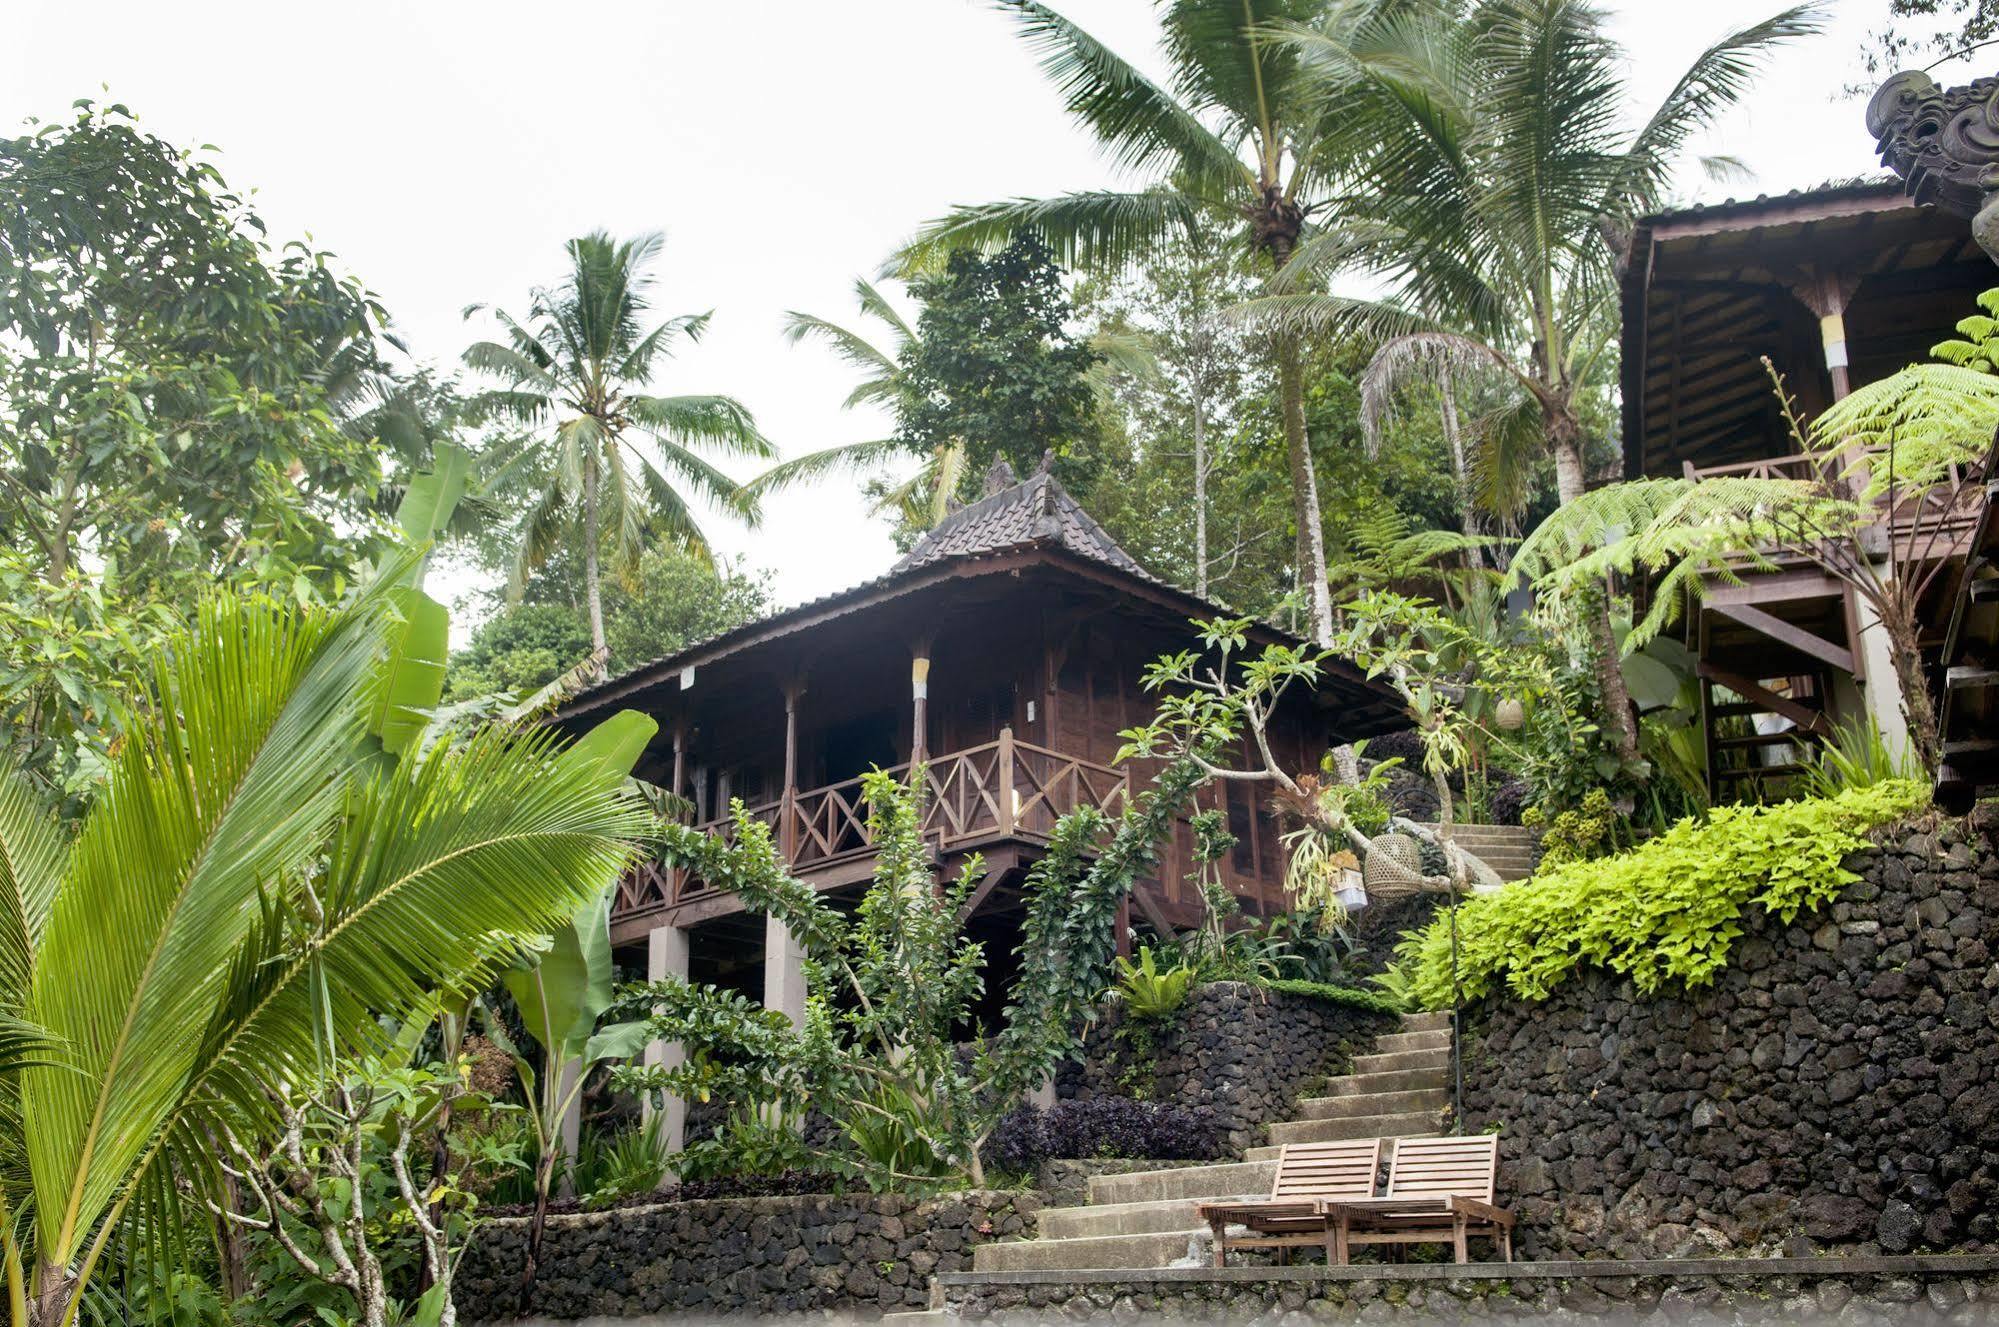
x,y
1666,912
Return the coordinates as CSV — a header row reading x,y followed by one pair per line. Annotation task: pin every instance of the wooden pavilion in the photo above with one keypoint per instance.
x,y
1004,653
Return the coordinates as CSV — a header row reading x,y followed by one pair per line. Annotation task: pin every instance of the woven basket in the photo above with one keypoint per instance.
x,y
1394,864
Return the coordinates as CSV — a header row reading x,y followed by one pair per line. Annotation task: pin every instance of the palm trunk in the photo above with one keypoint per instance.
x,y
1200,493
1566,445
591,590
1467,517
1304,492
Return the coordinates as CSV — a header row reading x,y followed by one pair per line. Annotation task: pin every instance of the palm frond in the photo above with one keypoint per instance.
x,y
1139,124
1424,355
721,422
229,791
847,458
1715,82
1099,229
32,851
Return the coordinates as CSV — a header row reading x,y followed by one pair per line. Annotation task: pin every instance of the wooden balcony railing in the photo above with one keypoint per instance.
x,y
1000,790
1923,526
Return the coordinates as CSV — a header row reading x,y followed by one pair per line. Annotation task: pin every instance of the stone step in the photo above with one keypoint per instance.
x,y
920,1318
1226,1180
1395,1080
1510,833
1440,1040
1401,1124
1395,1060
1428,1022
1142,1218
1103,1253
1431,1099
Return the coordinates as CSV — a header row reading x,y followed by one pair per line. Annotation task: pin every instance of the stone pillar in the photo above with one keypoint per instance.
x,y
666,956
784,972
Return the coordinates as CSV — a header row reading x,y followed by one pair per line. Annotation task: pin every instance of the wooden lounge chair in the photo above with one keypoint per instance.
x,y
1440,1191
1309,1177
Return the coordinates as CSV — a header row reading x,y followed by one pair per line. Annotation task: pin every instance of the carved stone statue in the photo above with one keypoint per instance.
x,y
1944,142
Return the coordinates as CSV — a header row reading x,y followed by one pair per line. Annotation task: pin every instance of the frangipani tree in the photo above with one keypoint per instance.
x,y
276,864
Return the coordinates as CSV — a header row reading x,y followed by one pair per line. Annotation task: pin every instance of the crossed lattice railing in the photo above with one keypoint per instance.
x,y
1001,789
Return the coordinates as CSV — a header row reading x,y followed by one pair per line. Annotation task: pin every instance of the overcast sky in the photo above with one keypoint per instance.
x,y
445,151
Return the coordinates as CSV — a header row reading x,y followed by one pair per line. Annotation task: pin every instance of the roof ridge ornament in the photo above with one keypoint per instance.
x,y
1944,143
1000,477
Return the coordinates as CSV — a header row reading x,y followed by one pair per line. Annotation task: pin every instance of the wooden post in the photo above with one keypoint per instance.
x,y
919,700
679,758
676,881
1124,927
1827,294
1009,801
787,832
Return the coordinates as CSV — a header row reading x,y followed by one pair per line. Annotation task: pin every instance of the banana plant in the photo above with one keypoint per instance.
x,y
561,993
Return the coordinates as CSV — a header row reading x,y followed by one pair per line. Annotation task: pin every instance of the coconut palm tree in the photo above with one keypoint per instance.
x,y
923,499
573,371
1238,135
1493,160
275,864
920,500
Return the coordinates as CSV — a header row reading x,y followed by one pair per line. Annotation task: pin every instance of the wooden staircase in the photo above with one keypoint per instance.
x,y
1148,1219
1746,723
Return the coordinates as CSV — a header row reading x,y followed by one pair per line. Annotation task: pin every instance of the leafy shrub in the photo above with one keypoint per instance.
x,y
1856,756
1668,911
611,1169
1148,991
1579,834
1104,1127
1509,800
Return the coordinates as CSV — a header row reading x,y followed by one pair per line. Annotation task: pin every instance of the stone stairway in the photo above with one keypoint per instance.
x,y
1511,850
1148,1219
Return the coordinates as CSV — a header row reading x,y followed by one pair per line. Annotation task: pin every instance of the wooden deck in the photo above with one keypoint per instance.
x,y
1000,792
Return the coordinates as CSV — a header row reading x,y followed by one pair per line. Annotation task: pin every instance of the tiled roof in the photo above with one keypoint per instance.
x,y
1037,510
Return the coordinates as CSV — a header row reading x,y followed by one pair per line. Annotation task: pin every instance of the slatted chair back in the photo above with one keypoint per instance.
x,y
1445,1167
1332,1172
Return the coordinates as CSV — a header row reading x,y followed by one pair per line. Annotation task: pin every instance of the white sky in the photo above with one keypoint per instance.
x,y
446,150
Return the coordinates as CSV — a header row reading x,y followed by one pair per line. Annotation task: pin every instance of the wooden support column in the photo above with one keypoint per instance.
x,y
787,833
919,699
1827,294
1009,796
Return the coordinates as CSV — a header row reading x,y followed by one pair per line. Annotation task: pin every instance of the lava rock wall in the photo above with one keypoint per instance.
x,y
1245,1053
1836,1088
859,1252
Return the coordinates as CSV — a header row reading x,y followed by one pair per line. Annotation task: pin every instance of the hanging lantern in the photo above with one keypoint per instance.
x,y
1509,714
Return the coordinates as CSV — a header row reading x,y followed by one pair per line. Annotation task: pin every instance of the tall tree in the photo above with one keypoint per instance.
x,y
169,381
573,371
1190,406
1238,134
1490,156
181,402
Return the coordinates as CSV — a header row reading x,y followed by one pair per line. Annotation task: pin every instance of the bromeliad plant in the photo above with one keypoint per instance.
x,y
276,864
